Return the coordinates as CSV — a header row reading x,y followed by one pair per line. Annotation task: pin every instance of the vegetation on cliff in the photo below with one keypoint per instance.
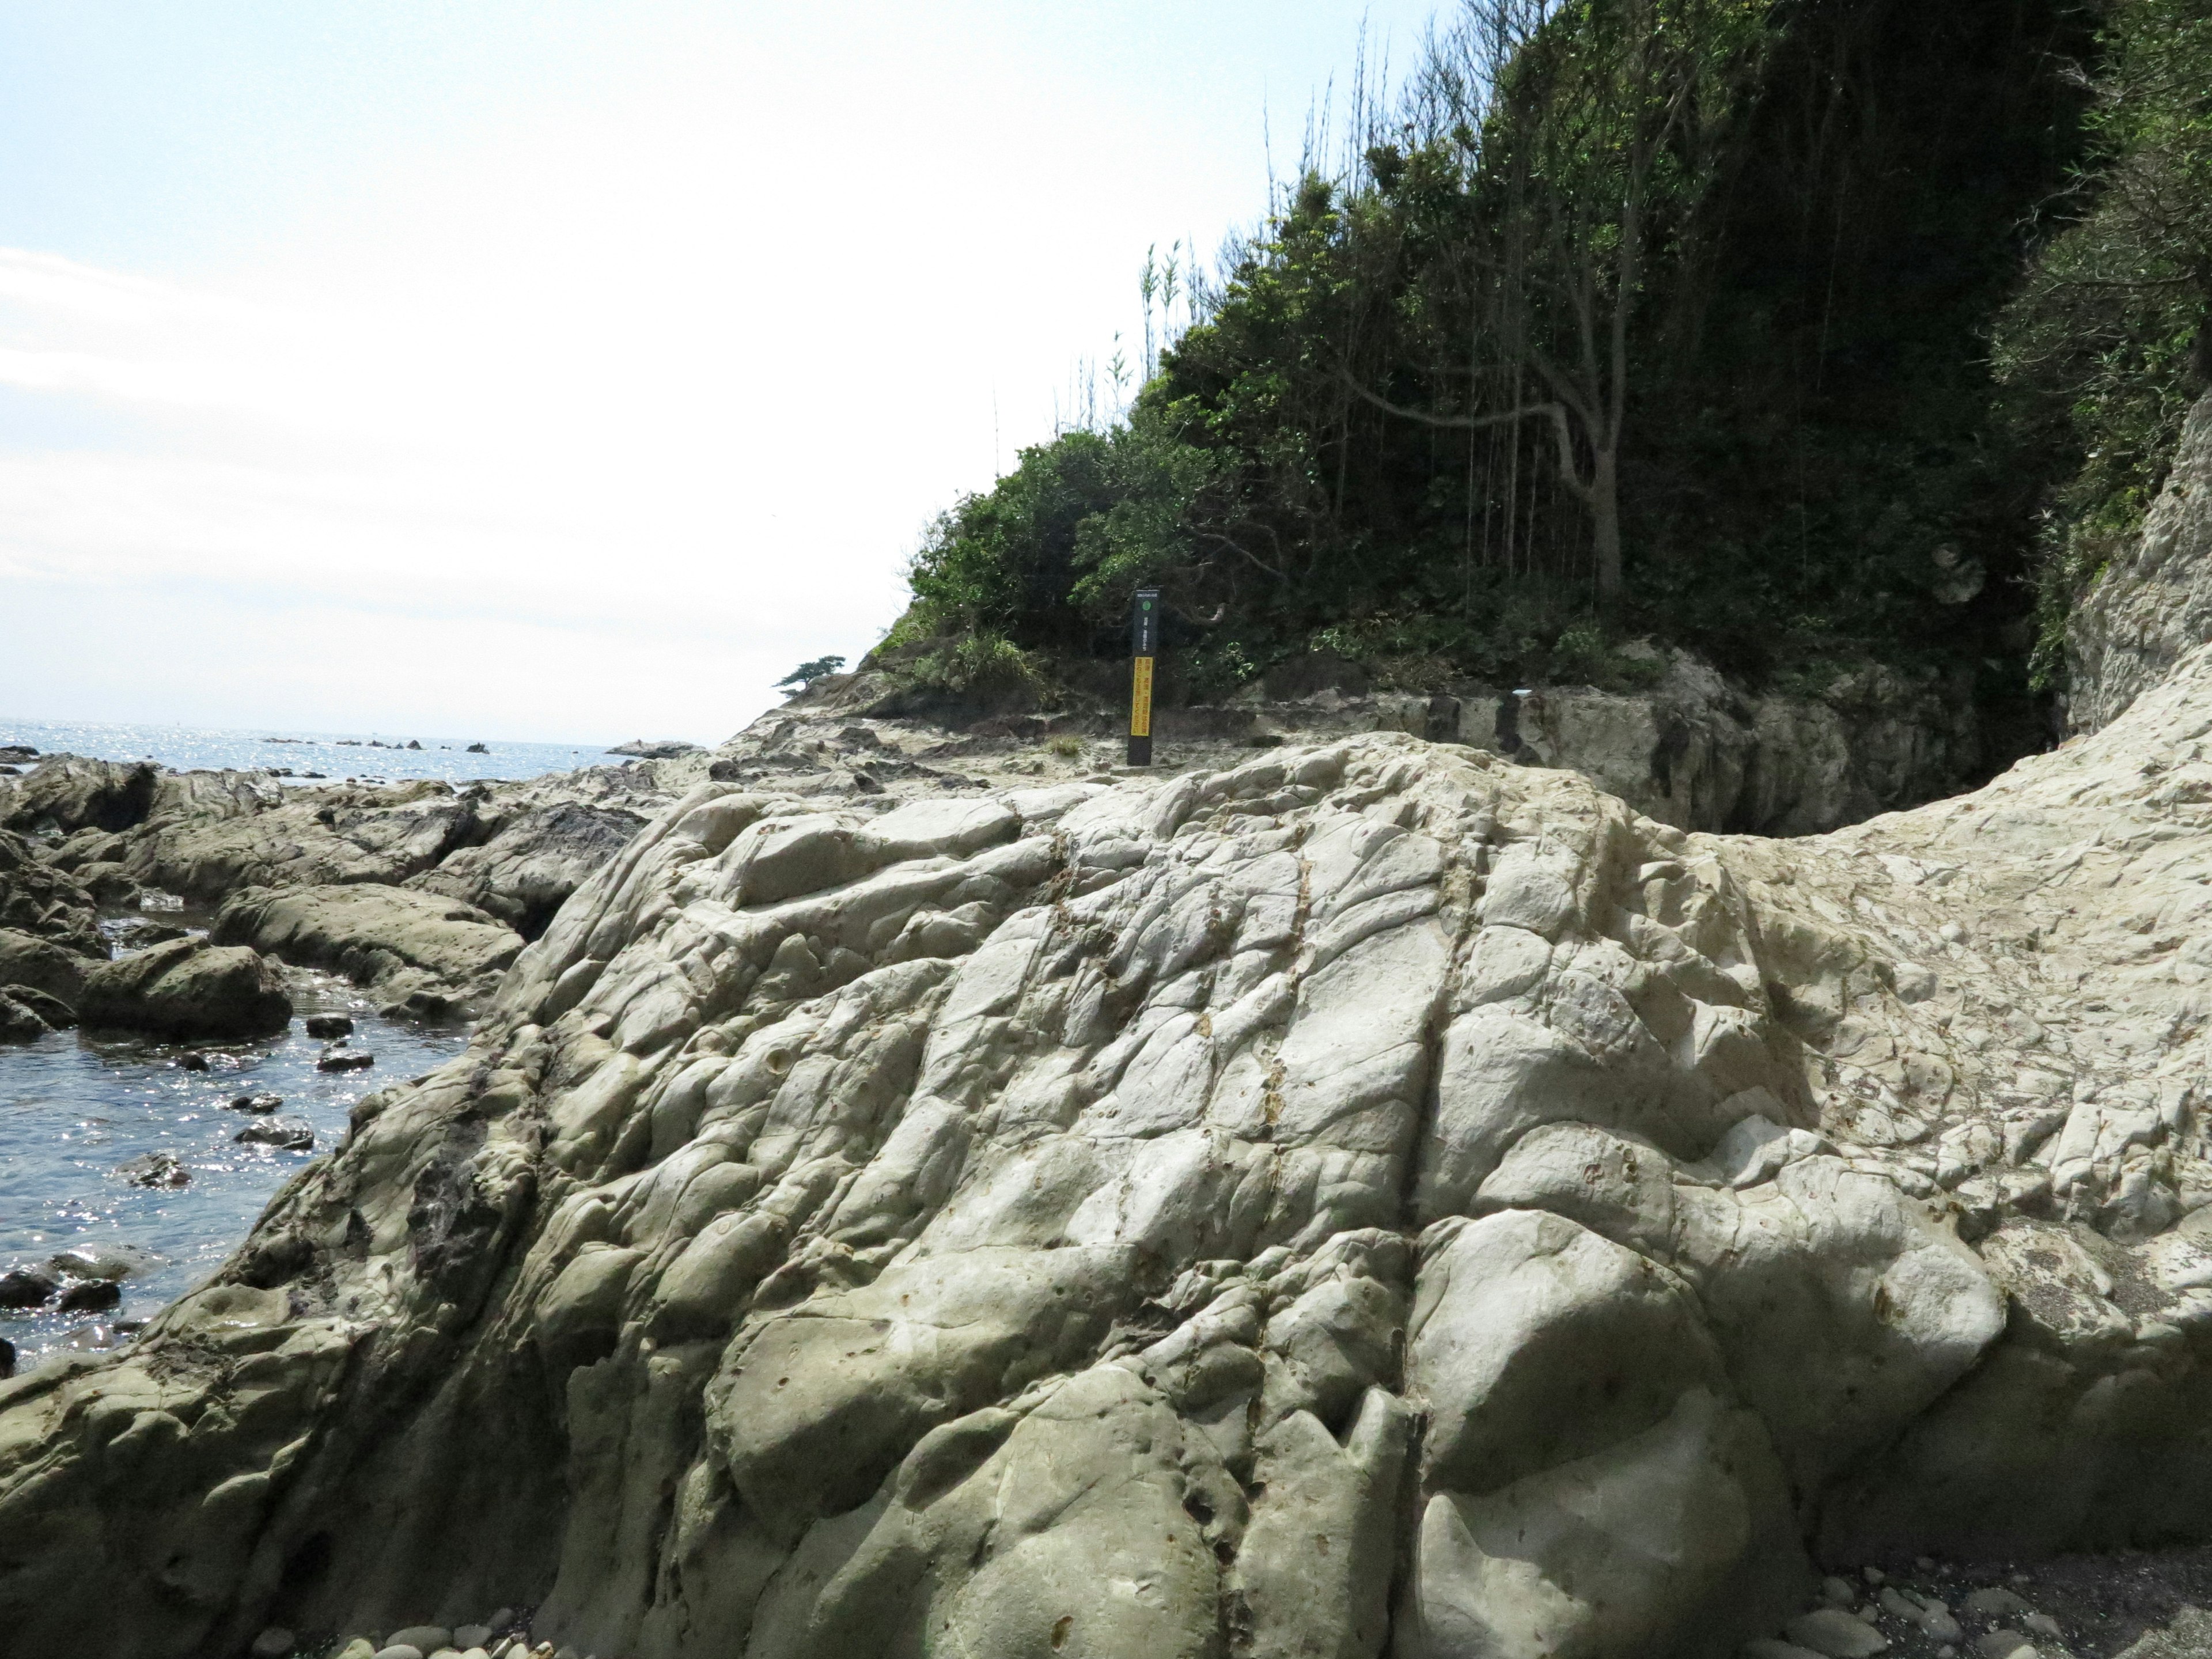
x,y
1791,332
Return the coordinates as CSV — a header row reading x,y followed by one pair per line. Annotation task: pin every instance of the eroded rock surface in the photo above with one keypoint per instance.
x,y
1377,1197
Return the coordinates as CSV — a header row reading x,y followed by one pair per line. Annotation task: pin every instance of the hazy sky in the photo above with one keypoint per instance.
x,y
563,370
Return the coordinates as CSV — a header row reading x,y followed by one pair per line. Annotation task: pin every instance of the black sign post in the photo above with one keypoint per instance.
x,y
1144,645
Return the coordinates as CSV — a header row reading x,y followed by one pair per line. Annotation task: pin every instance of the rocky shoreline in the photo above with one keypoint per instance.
x,y
921,1185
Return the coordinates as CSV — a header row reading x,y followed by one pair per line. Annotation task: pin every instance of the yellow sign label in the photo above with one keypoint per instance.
x,y
1140,700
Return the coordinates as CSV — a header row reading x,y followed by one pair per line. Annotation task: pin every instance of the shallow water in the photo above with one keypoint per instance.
x,y
184,747
73,1108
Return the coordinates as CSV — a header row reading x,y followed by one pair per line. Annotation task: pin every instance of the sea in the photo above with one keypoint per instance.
x,y
76,1110
306,757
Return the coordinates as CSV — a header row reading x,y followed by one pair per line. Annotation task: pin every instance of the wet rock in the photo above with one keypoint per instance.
x,y
324,1027
155,1169
188,988
344,1059
91,1296
192,1060
290,1134
477,748
47,904
7,1359
26,1287
103,1261
19,1021
262,1101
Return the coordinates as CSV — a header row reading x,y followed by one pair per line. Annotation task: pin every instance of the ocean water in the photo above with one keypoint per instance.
x,y
335,754
72,1110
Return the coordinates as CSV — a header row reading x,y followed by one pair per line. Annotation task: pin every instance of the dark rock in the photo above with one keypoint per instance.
x,y
260,1103
525,872
136,933
37,899
7,1359
110,884
193,1061
93,1295
414,742
659,749
726,771
155,1169
19,1023
291,1134
17,751
26,1287
476,749
188,988
55,1014
326,1026
344,1059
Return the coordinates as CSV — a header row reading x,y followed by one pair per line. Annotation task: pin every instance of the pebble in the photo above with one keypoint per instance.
x,y
429,1637
2004,1645
1873,1575
1839,1634
1837,1592
275,1643
344,1059
260,1103
2042,1625
1994,1602
360,1648
399,1650
471,1636
1769,1647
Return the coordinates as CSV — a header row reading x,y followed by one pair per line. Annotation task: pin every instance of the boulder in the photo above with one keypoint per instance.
x,y
420,953
37,900
27,960
657,749
290,1134
188,988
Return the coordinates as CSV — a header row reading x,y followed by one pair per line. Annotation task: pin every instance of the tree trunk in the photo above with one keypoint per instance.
x,y
1605,526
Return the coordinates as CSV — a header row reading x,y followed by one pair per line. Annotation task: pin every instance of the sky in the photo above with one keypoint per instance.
x,y
544,369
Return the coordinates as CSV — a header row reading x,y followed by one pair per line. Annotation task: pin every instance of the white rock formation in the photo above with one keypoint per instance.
x,y
1375,1199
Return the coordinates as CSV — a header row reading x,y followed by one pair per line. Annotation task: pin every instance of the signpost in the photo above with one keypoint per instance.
x,y
1144,645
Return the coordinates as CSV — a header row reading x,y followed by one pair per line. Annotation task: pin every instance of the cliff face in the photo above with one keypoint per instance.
x,y
1376,1194
2153,605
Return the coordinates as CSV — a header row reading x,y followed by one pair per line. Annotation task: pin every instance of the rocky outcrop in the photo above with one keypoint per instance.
x,y
537,857
2152,605
65,794
187,989
421,955
657,749
37,899
1375,1196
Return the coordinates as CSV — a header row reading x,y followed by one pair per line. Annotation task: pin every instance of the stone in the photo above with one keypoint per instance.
x,y
7,1359
1839,1634
188,988
422,954
323,1027
470,1636
344,1059
260,1101
290,1134
90,1296
400,1651
192,1061
155,1169
26,1287
1995,1602
2004,1645
110,1261
40,964
2188,1636
429,1637
274,1642
1768,1647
